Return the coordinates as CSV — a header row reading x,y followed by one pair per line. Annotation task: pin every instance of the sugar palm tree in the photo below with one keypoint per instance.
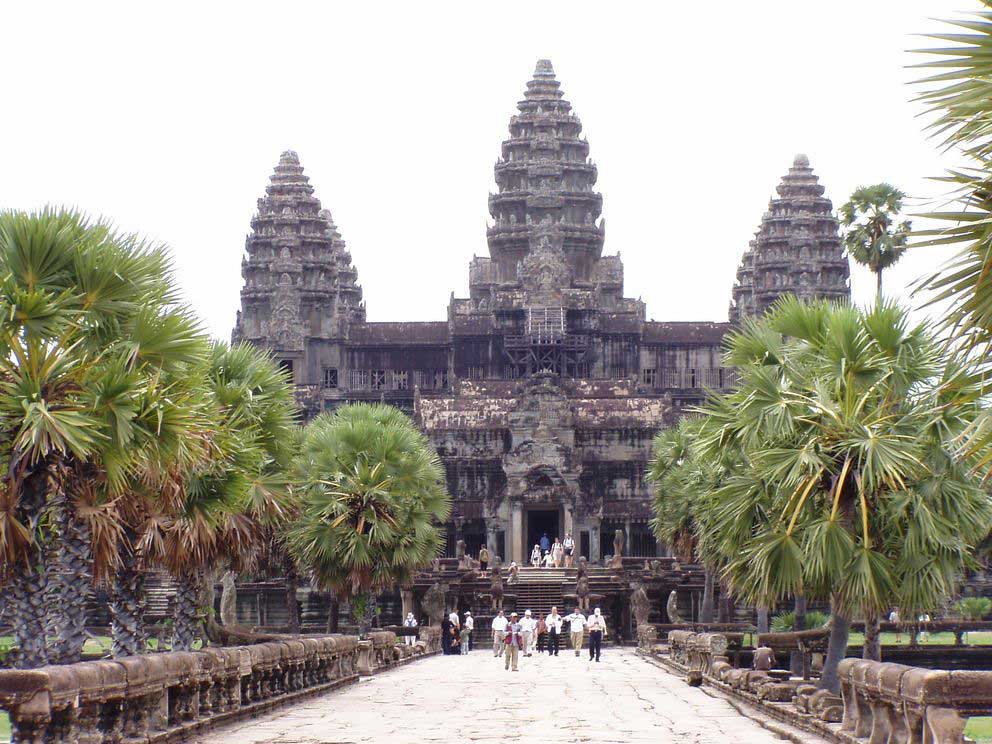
x,y
235,501
373,493
89,322
871,235
846,421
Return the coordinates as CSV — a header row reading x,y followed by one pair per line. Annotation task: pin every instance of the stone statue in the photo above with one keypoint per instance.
x,y
496,584
672,607
617,560
432,603
640,605
582,584
228,600
460,549
465,562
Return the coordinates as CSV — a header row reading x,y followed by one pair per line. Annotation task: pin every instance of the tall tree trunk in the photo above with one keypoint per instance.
x,y
872,649
364,610
762,613
840,628
292,607
706,609
229,600
70,582
186,617
127,604
333,610
878,284
27,590
724,605
798,624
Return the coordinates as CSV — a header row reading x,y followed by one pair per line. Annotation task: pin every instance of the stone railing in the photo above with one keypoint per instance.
x,y
901,704
170,696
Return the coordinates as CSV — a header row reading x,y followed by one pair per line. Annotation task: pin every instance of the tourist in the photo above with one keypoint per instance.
x,y
483,559
453,617
569,546
545,543
464,636
456,641
469,626
923,620
446,635
553,621
894,619
576,628
410,622
557,553
514,642
499,633
535,556
597,631
542,635
548,559
527,628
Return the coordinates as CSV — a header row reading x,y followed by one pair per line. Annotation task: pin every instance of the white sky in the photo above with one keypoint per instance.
x,y
169,118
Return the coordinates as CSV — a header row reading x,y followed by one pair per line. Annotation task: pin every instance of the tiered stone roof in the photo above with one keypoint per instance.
x,y
797,250
298,277
546,212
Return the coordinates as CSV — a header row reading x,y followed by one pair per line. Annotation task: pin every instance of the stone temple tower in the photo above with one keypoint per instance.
x,y
299,284
797,250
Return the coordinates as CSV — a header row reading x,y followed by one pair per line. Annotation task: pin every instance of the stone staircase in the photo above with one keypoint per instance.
x,y
540,589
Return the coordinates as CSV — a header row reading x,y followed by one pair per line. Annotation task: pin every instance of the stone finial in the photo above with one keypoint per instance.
x,y
800,161
544,68
289,157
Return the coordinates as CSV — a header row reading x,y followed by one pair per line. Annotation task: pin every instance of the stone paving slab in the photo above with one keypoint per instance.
x,y
472,699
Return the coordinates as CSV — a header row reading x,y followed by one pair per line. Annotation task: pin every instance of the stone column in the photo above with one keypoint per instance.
x,y
594,556
491,529
568,521
515,534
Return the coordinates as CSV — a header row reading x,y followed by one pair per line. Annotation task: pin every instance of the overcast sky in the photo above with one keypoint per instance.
x,y
169,118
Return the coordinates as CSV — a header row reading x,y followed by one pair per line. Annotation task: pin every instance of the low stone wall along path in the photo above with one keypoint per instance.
x,y
472,699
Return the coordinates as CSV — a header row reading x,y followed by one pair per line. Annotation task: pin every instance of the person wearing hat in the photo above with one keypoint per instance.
x,y
528,625
410,622
499,634
466,632
514,642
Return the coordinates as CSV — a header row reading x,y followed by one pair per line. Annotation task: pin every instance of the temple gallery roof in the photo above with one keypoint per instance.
x,y
400,334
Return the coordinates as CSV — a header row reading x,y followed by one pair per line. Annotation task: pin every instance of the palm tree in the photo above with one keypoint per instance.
x,y
235,501
373,493
871,236
847,423
89,327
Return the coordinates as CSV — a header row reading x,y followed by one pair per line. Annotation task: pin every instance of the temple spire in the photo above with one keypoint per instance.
x,y
797,250
298,278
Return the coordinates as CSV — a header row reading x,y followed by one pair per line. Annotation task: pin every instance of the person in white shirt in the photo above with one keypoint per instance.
x,y
553,621
576,627
453,619
535,556
597,631
499,633
469,625
557,553
548,560
569,546
410,622
527,627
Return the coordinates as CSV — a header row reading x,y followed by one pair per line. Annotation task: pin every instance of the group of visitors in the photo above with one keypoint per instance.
x,y
514,637
456,635
557,554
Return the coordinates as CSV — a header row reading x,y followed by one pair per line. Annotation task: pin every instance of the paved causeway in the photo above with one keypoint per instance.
x,y
472,699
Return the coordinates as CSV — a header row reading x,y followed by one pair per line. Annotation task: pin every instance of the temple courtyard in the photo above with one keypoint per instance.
x,y
472,699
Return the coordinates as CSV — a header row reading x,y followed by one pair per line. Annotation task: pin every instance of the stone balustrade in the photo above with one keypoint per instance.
x,y
901,704
170,696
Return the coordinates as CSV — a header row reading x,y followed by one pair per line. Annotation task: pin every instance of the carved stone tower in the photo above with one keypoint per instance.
x,y
299,284
797,250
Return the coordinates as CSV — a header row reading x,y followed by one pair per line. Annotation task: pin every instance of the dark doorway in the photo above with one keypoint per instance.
x,y
539,522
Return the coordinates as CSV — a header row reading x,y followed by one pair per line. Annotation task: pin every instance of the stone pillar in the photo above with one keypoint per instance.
x,y
515,534
409,605
568,521
491,529
594,556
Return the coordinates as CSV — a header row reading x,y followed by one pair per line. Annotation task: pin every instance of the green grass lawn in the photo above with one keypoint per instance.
x,y
976,638
979,729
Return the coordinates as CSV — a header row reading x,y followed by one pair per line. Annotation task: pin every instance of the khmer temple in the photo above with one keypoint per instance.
x,y
541,390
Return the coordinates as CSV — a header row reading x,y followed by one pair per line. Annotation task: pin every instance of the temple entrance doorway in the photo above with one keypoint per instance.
x,y
539,522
